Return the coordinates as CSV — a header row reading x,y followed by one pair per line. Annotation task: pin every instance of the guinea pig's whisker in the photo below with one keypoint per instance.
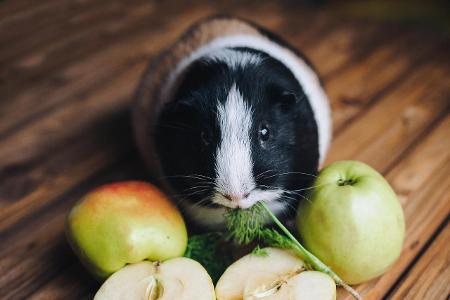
x,y
274,188
292,192
205,180
195,192
289,207
204,176
198,193
296,194
197,187
305,198
289,173
178,198
180,176
264,172
199,203
182,198
202,202
268,186
287,197
309,188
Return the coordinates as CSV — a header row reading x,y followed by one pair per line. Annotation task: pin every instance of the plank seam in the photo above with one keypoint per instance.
x,y
419,255
419,62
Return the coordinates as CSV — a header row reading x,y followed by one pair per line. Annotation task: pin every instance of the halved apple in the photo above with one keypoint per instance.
x,y
175,279
278,275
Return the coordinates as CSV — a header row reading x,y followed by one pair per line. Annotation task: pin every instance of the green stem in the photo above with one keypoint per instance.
x,y
310,258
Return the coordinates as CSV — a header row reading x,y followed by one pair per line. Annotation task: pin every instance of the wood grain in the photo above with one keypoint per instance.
x,y
430,276
68,70
38,244
405,114
423,192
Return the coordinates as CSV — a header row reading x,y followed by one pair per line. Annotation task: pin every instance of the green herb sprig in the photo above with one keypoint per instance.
x,y
247,225
206,249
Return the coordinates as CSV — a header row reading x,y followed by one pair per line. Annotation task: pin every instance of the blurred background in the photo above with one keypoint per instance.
x,y
434,14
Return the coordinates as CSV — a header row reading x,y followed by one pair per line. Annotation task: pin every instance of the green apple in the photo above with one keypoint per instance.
x,y
276,275
178,278
352,221
125,222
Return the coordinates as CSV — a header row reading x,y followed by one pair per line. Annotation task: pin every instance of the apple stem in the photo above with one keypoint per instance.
x,y
310,258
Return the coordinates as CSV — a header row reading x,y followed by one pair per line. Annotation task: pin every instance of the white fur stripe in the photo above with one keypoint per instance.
x,y
234,166
234,58
302,72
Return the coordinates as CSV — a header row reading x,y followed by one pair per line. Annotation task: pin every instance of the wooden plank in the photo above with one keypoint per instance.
x,y
333,44
52,184
345,43
406,115
430,276
65,23
388,66
15,27
12,10
36,251
69,48
41,136
421,181
87,75
70,284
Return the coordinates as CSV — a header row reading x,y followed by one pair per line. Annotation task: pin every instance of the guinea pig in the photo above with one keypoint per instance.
x,y
234,116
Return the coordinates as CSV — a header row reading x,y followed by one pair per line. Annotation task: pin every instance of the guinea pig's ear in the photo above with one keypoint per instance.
x,y
176,109
179,104
288,98
285,98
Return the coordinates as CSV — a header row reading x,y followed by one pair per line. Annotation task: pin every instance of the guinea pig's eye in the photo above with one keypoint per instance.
x,y
205,138
264,133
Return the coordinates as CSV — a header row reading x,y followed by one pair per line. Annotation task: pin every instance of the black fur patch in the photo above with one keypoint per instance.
x,y
188,134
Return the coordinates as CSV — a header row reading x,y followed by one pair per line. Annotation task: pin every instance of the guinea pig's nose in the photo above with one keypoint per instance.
x,y
236,197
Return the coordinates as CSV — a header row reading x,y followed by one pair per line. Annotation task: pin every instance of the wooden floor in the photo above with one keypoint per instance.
x,y
68,70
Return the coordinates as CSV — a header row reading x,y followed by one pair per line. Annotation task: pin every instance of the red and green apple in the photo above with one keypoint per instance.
x,y
125,222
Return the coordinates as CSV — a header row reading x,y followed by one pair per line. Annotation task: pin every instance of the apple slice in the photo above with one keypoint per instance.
x,y
278,275
178,278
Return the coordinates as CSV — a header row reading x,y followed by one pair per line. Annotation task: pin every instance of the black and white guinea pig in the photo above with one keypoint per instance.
x,y
231,115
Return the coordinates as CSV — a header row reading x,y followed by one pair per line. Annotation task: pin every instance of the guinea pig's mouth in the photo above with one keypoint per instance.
x,y
246,201
212,216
